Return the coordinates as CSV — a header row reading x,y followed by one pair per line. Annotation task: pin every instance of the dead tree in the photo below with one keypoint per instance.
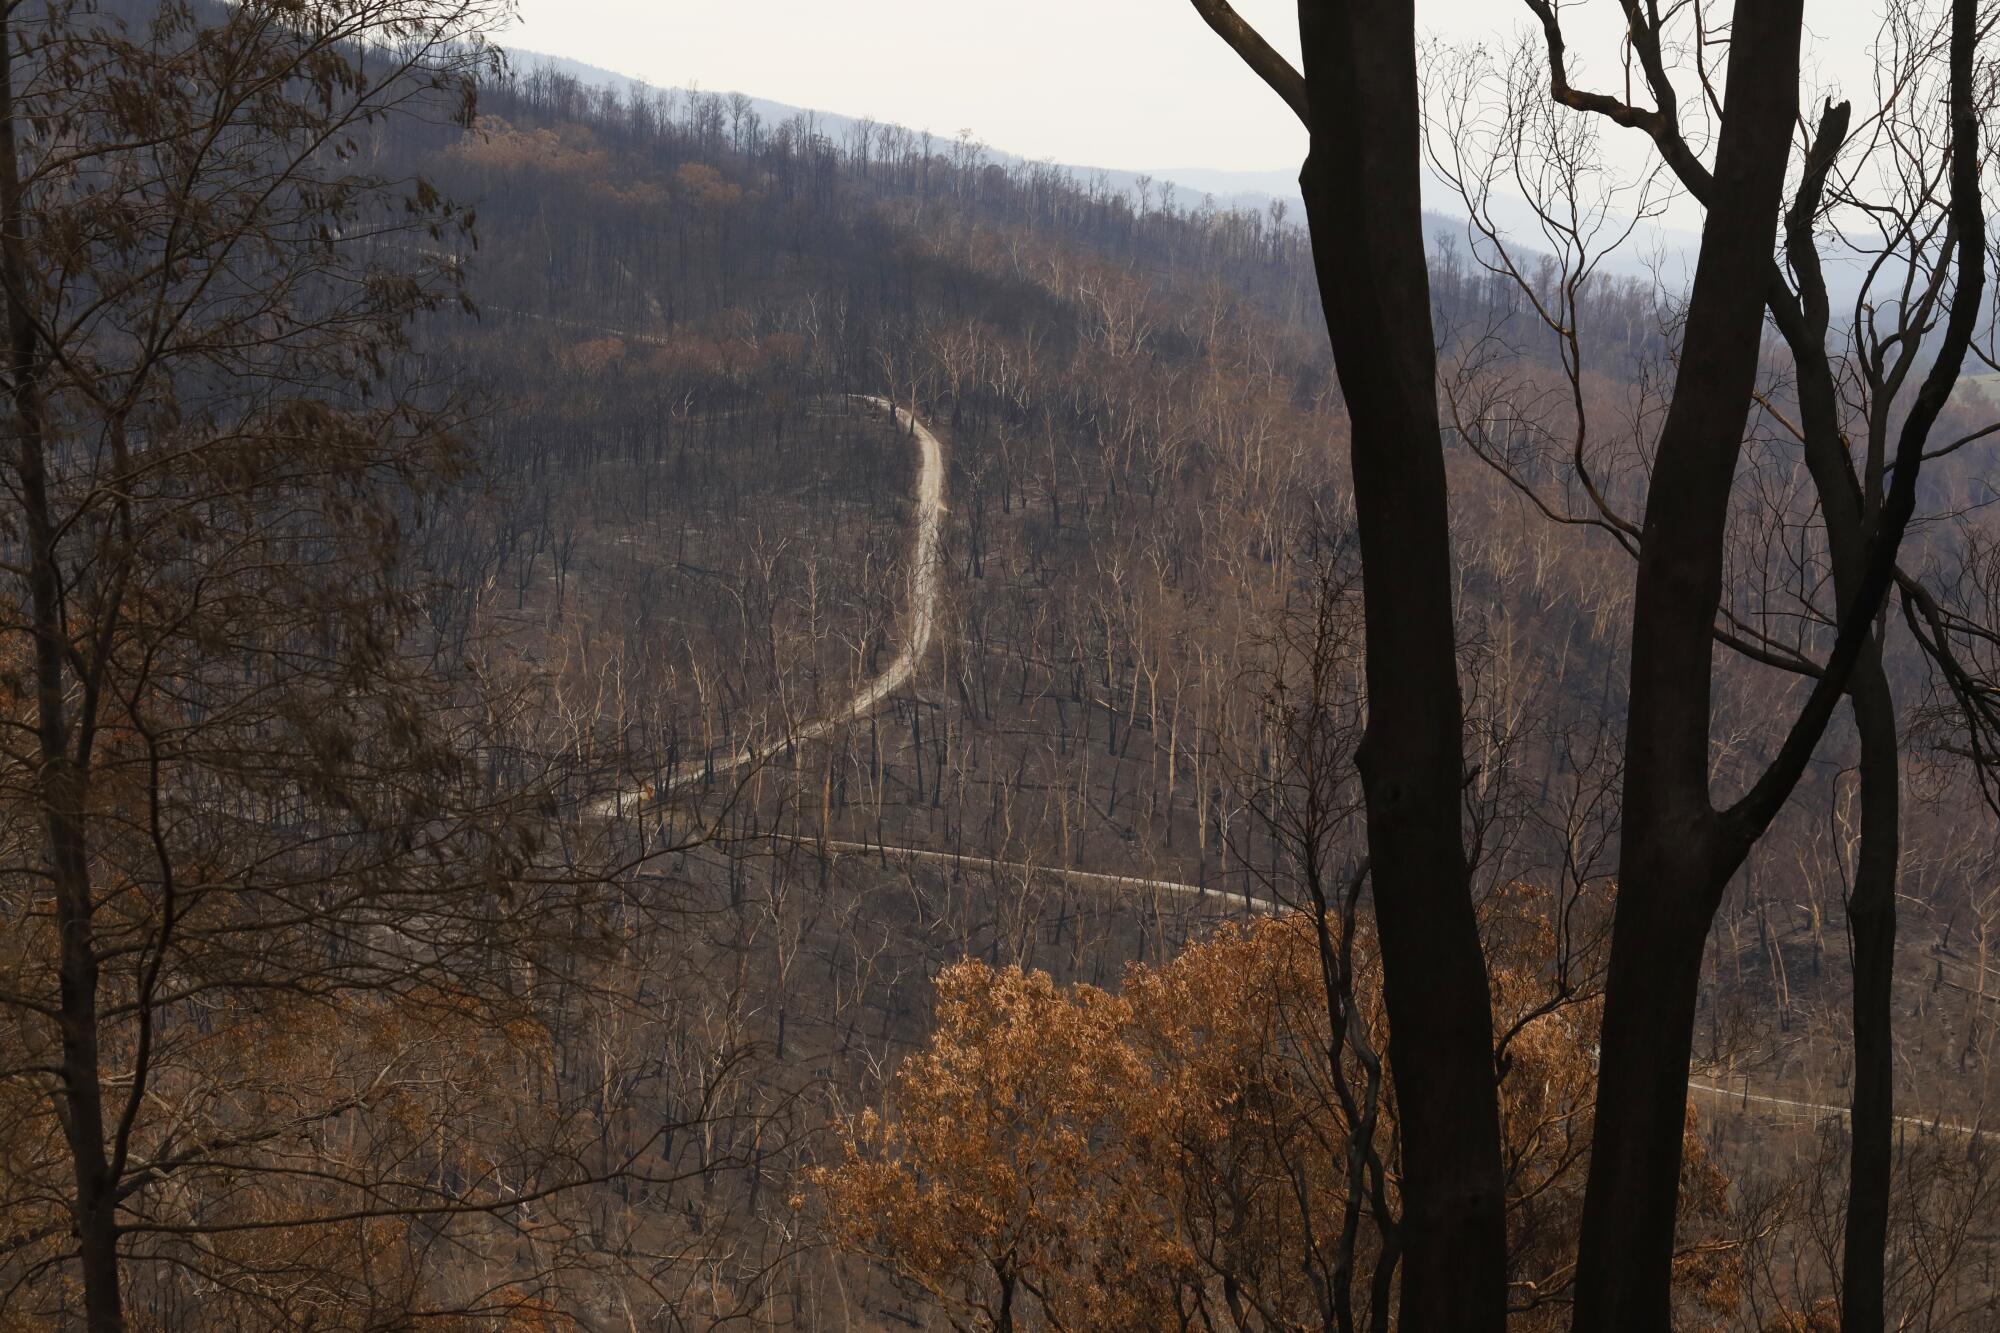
x,y
1357,94
1679,851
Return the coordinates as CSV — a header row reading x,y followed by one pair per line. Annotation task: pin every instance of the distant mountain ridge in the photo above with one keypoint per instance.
x,y
1254,191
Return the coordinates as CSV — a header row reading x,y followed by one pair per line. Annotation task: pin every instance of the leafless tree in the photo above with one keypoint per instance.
x,y
1357,94
1673,836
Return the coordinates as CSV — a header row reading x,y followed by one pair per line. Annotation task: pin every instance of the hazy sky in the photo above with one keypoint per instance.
x,y
1112,83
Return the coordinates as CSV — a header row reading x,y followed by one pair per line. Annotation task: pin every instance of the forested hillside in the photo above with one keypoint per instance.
x,y
666,956
1146,556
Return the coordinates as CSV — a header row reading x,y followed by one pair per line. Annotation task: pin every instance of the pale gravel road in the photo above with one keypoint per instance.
x,y
922,626
1093,878
1740,1096
901,668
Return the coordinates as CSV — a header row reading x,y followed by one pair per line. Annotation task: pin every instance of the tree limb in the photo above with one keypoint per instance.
x,y
1257,53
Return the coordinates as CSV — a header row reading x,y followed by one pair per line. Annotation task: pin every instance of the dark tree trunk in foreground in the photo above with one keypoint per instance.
x,y
1871,914
1676,855
1679,851
1361,192
1358,96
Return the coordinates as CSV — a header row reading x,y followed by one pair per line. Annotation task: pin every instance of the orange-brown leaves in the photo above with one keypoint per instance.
x,y
705,187
1106,1153
1073,1158
569,151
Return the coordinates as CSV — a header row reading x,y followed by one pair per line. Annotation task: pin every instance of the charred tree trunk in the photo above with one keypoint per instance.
x,y
1871,914
1871,904
1677,855
1360,73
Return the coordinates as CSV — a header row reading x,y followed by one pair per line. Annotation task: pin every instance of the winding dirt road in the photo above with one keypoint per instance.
x,y
922,626
1742,1097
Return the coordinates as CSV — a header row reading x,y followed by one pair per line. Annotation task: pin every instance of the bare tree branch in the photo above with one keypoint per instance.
x,y
1257,53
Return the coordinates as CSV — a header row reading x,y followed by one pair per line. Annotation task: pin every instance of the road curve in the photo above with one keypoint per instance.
x,y
922,618
923,625
1097,879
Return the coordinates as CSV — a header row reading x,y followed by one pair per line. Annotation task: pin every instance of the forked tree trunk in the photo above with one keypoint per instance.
x,y
1871,902
1676,855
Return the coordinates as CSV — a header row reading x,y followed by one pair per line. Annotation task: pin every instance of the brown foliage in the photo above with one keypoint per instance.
x,y
1075,1158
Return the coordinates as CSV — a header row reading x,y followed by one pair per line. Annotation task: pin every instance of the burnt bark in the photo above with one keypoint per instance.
x,y
1358,95
1679,851
1855,666
1871,915
1871,902
1677,854
1360,185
